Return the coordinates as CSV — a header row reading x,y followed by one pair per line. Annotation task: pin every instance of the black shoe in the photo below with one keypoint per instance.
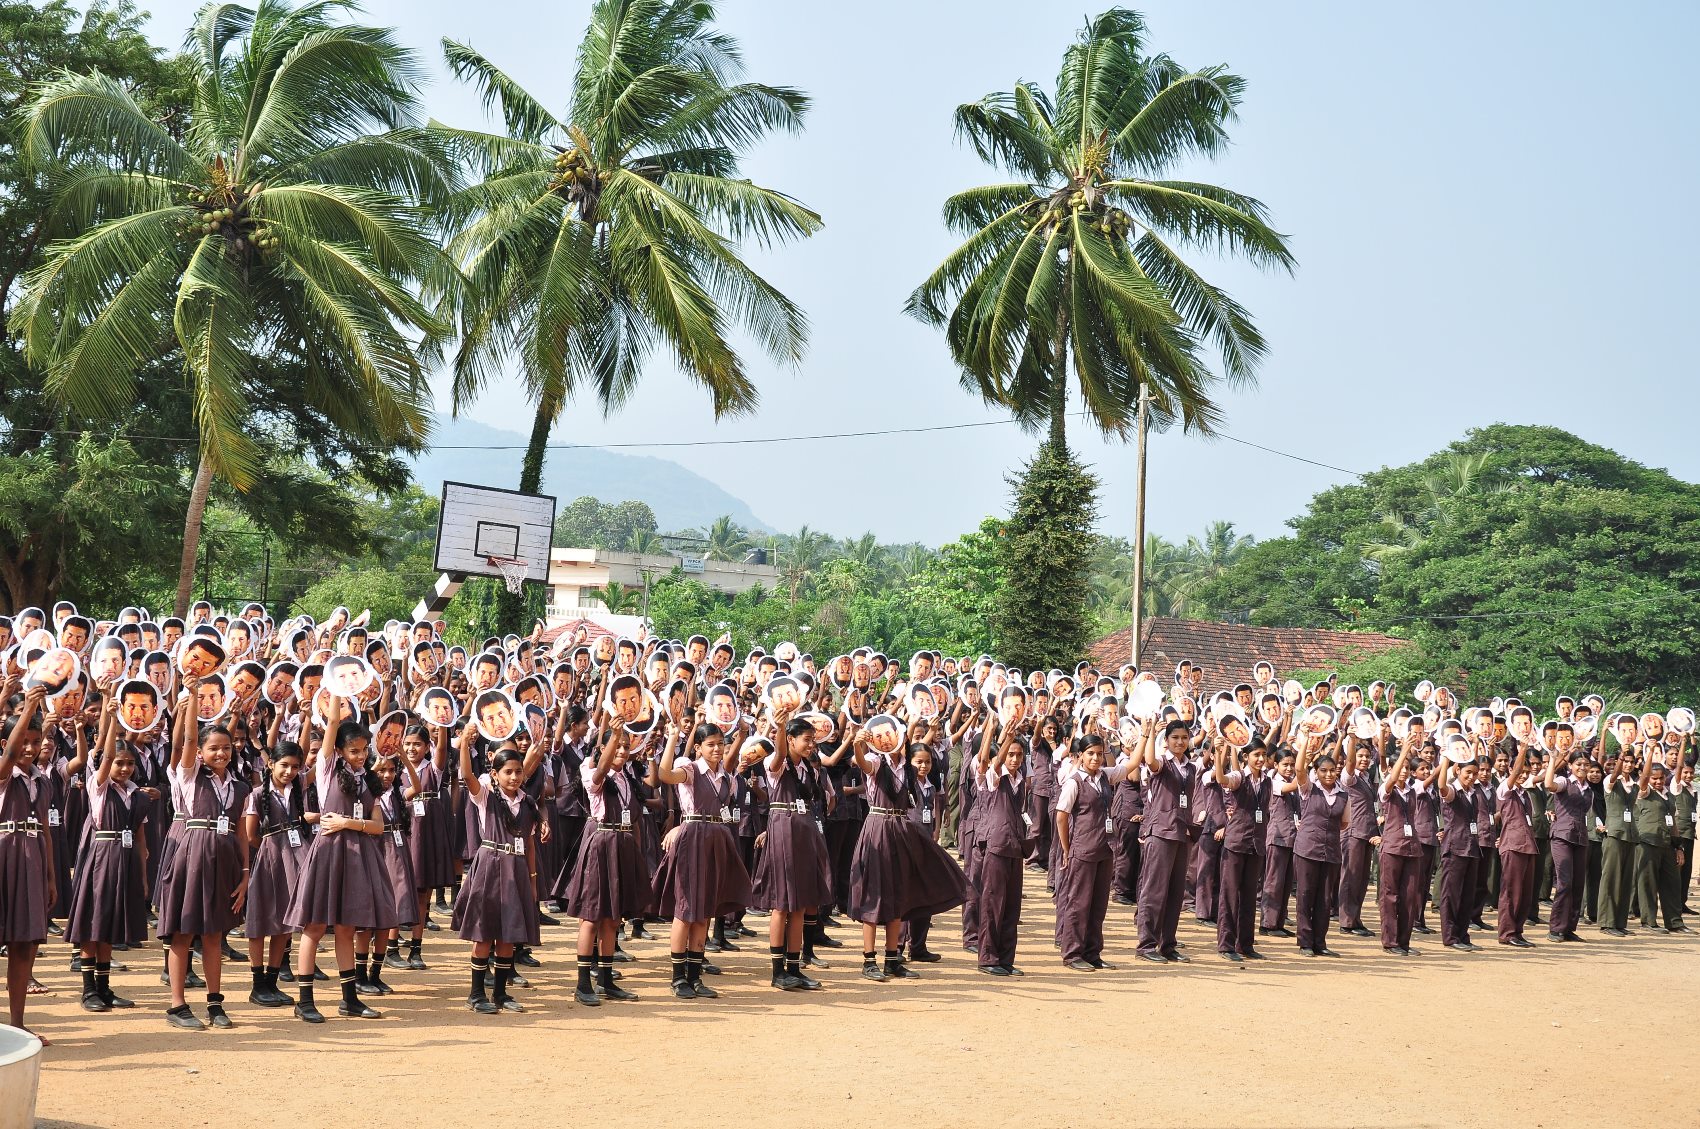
x,y
519,981
357,1011
1534,921
1610,932
810,960
365,987
415,962
1393,950
1557,938
1081,965
994,970
394,959
896,970
682,990
1013,971
873,972
711,946
113,1001
1522,943
1177,958
524,957
481,1004
193,980
830,922
217,1018
1679,929
826,942
1154,958
1421,929
1207,921
94,1001
586,999
704,992
786,982
727,947
285,976
1462,946
1253,955
508,1003
1571,936
1358,931
621,956
181,1016
1233,957
1281,932
924,956
710,969
1121,899
612,991
545,919
319,976
1325,951
432,926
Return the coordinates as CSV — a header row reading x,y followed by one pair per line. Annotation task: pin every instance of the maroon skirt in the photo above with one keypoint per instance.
x,y
277,870
398,867
495,902
344,883
198,883
107,906
899,874
793,873
702,876
23,889
432,847
609,880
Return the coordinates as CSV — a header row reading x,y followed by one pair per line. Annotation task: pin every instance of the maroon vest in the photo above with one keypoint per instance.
x,y
1572,808
1086,839
1400,810
1456,838
1319,825
1516,831
1248,816
1360,797
1165,817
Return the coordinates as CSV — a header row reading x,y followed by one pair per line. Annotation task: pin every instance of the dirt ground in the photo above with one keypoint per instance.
x,y
1367,1039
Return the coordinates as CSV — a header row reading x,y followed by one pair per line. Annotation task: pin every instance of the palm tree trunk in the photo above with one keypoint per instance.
x,y
192,534
1059,397
511,606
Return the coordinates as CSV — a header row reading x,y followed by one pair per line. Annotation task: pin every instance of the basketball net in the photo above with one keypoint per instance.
x,y
512,570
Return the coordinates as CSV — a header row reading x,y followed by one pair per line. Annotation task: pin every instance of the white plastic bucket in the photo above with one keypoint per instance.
x,y
20,1071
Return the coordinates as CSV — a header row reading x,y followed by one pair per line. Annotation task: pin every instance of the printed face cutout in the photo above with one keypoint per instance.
x,y
280,681
784,693
386,738
1680,720
1365,724
1145,699
347,676
840,671
212,699
1012,705
1319,719
138,706
885,734
486,671
436,707
536,723
322,698
109,659
1423,691
720,705
75,632
920,703
824,726
534,690
1232,724
199,656
495,714
245,681
56,669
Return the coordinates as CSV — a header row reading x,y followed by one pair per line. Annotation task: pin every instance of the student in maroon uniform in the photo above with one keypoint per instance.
x,y
1516,853
1316,845
1460,848
1002,838
1361,833
1572,812
1163,850
1249,791
1083,830
1401,860
1283,832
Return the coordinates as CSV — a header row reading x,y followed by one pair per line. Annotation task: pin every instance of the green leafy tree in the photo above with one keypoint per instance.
x,y
589,523
727,541
598,235
1080,261
1047,547
281,224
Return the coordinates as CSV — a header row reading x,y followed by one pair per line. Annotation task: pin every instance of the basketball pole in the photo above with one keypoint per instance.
x,y
432,606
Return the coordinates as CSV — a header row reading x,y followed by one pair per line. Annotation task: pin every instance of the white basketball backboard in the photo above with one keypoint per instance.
x,y
478,522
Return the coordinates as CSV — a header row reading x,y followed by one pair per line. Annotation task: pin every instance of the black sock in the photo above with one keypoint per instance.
x,y
777,952
480,970
693,965
413,947
215,1002
586,965
363,966
605,971
504,974
393,949
794,963
304,989
88,980
259,975
271,975
867,958
103,977
680,973
892,959
350,997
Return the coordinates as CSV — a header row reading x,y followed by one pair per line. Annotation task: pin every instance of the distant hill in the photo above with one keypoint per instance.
x,y
681,498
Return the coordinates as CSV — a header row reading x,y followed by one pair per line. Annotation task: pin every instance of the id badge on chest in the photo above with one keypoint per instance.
x,y
625,817
926,815
126,838
725,814
418,809
1257,815
395,834
294,837
359,810
1409,831
1670,822
1473,829
1109,825
1628,816
519,845
53,817
223,825
1181,799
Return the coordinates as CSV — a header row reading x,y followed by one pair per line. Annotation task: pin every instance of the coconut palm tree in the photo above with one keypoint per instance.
x,y
601,234
1079,262
644,541
1214,553
615,597
727,541
867,552
280,234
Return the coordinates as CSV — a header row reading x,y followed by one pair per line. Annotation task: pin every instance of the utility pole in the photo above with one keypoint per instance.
x,y
1139,528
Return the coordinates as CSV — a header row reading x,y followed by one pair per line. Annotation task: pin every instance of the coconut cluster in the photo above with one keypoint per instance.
x,y
226,212
1091,208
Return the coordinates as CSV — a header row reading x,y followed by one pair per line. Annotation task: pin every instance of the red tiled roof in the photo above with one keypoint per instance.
x,y
1227,651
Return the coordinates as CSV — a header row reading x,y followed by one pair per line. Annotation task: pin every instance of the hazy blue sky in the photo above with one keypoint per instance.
x,y
1485,199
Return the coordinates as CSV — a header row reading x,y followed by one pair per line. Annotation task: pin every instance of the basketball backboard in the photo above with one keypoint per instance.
x,y
479,522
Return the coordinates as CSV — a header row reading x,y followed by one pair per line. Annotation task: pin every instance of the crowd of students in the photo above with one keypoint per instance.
x,y
223,778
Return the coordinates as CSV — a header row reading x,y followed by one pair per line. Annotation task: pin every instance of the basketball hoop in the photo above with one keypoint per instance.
x,y
512,570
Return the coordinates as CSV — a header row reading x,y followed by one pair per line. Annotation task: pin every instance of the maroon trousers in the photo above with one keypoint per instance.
x,y
1457,897
974,855
1516,890
1354,882
1124,851
1277,887
1315,907
1236,923
1000,908
1569,866
1162,885
1206,887
1400,894
1083,898
1425,883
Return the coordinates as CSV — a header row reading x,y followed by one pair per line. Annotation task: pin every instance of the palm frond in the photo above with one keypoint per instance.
x,y
524,116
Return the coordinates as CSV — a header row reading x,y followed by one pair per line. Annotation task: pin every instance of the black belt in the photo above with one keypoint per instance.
x,y
504,848
702,819
207,825
31,825
109,836
433,794
610,827
296,826
888,811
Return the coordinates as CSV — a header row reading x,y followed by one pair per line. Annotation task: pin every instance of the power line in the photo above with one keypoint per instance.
x,y
1288,454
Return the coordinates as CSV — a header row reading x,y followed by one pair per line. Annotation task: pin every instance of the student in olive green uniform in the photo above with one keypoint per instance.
x,y
1655,856
1540,825
1687,822
1617,856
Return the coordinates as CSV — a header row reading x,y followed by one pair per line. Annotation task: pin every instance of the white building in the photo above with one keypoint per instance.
x,y
576,574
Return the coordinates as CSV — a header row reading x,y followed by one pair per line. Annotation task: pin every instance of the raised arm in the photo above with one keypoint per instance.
x,y
665,770
467,776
